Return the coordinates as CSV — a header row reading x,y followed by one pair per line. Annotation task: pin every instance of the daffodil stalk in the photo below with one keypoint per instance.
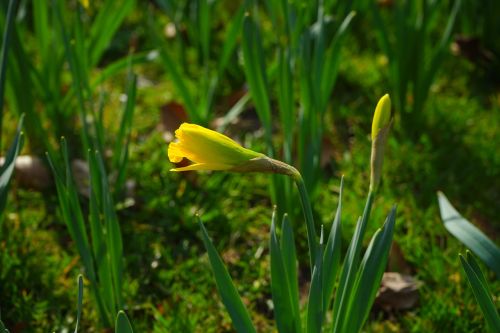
x,y
380,129
210,150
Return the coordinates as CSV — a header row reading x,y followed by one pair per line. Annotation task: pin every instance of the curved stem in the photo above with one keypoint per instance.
x,y
308,215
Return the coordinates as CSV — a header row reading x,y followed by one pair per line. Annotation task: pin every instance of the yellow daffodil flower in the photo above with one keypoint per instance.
x,y
209,150
380,129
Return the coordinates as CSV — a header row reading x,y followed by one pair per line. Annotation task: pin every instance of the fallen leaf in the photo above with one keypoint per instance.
x,y
397,292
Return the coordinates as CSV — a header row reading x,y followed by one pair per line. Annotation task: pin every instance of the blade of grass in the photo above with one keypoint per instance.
x,y
290,262
331,258
3,55
99,232
469,235
284,308
230,297
123,324
113,232
7,169
110,16
79,302
233,113
350,267
120,153
231,38
73,217
20,93
369,276
479,287
176,76
332,60
79,79
315,300
256,75
437,57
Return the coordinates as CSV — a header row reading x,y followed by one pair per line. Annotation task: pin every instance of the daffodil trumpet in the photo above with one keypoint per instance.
x,y
210,150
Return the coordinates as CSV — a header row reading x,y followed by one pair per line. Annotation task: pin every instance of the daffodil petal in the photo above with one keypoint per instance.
x,y
203,166
202,145
175,152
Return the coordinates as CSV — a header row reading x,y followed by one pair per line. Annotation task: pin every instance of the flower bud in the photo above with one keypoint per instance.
x,y
382,115
380,129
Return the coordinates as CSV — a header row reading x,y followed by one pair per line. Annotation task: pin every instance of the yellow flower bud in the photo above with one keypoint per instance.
x,y
380,129
382,116
85,3
209,150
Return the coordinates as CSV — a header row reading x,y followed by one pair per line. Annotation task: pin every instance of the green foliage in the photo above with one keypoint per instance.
x,y
358,283
481,291
102,253
413,66
79,302
284,286
7,169
306,55
225,286
199,103
122,323
61,36
3,54
469,235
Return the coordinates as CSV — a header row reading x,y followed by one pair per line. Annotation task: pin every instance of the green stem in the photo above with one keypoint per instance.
x,y
364,221
308,215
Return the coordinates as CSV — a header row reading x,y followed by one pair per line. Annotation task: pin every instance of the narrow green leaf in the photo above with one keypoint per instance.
x,y
350,268
120,153
98,229
290,262
369,276
121,64
233,113
473,264
469,235
481,293
331,258
73,217
286,102
231,37
255,73
332,59
7,169
315,300
122,323
109,18
3,54
177,77
79,302
204,28
79,79
284,312
230,297
113,234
